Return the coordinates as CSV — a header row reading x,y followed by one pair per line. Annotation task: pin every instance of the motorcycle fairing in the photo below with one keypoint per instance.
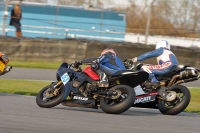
x,y
63,72
80,101
65,78
146,100
91,73
78,98
68,89
133,79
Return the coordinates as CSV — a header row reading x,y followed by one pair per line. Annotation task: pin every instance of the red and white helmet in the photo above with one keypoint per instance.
x,y
108,50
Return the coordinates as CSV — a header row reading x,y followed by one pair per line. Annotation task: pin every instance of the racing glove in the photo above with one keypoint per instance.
x,y
134,60
77,64
95,64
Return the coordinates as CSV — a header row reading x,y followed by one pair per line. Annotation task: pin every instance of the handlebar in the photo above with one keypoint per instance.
x,y
132,65
71,66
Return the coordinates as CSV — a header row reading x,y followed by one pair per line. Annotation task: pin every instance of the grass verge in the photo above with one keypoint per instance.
x,y
194,106
23,87
47,65
31,88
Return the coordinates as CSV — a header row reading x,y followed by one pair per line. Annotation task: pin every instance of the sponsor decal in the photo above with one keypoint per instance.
x,y
163,66
65,78
80,98
143,100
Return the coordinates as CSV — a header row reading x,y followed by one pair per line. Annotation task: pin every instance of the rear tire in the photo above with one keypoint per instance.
x,y
180,105
49,102
121,106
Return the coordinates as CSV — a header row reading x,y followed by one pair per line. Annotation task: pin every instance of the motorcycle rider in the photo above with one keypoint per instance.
x,y
104,66
166,60
4,59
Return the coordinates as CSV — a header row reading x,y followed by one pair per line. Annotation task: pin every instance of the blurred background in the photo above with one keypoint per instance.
x,y
136,21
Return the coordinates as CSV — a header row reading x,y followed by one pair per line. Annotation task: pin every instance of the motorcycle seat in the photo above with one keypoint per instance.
x,y
173,71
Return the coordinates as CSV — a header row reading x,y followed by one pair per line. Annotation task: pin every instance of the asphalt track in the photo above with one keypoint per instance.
x,y
20,114
50,75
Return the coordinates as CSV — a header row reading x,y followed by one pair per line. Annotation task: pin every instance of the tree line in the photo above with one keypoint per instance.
x,y
168,17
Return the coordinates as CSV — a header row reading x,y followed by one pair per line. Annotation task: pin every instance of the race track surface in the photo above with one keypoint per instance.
x,y
20,114
50,75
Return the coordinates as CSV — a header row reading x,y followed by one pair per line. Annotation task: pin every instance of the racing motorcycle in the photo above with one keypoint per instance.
x,y
3,62
76,87
169,97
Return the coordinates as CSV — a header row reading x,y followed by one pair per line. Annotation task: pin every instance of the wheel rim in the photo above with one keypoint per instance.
x,y
123,96
179,98
47,96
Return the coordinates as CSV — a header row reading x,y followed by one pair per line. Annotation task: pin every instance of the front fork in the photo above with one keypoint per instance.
x,y
56,84
55,87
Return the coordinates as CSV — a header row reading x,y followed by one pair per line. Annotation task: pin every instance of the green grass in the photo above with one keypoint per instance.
x,y
44,65
23,87
47,65
194,105
31,88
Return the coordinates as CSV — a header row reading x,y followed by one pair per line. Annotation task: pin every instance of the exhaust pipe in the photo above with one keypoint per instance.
x,y
187,80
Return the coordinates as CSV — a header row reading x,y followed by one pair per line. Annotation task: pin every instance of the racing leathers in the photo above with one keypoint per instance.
x,y
105,66
166,61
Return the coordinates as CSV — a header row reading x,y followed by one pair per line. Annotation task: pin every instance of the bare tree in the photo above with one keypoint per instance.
x,y
79,2
168,17
39,1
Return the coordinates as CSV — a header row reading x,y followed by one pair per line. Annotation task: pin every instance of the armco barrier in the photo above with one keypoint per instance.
x,y
55,50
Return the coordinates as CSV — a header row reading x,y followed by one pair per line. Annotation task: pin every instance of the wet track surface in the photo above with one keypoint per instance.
x,y
20,114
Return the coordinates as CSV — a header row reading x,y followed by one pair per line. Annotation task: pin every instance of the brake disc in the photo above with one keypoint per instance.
x,y
116,94
171,96
48,94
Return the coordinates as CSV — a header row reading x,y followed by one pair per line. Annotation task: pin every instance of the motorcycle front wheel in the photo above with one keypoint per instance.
x,y
178,105
122,103
47,99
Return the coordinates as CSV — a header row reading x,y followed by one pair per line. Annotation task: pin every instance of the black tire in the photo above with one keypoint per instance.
x,y
180,105
122,106
51,102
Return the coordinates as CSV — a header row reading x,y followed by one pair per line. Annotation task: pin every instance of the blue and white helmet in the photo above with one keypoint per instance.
x,y
163,44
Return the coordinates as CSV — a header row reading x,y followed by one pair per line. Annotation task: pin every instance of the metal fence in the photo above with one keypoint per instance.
x,y
111,20
60,21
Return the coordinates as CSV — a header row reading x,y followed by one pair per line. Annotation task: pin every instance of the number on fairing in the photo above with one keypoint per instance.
x,y
65,78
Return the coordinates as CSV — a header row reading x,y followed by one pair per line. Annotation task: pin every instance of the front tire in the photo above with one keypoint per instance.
x,y
179,104
52,101
120,105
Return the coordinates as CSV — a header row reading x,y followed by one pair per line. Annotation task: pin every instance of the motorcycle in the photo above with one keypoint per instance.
x,y
76,87
169,97
3,62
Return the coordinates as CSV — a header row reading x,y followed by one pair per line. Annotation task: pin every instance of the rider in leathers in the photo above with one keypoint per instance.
x,y
107,64
166,60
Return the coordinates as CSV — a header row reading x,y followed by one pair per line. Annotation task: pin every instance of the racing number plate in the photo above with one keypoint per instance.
x,y
65,78
2,66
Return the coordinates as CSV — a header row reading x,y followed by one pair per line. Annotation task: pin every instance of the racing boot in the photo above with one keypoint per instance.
x,y
153,84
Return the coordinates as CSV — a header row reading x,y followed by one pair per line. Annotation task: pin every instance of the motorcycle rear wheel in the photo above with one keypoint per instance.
x,y
120,105
179,104
52,101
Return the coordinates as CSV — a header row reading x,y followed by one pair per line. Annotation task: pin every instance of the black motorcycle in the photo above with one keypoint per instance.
x,y
169,97
77,88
